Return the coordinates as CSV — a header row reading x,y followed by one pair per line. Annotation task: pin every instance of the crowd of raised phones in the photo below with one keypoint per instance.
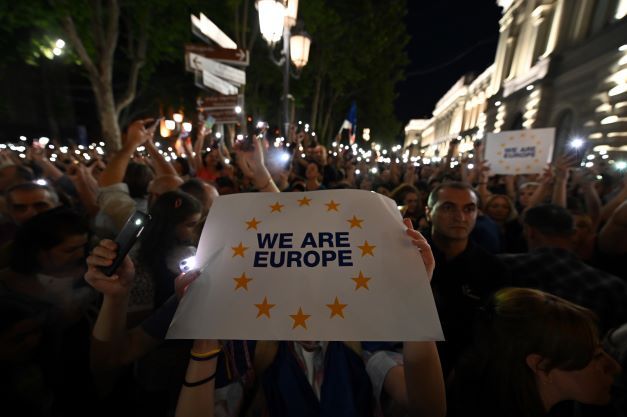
x,y
528,274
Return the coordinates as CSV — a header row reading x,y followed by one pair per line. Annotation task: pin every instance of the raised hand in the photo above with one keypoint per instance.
x,y
119,284
421,243
138,134
181,283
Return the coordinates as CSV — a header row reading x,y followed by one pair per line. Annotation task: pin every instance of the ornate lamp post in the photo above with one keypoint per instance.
x,y
276,20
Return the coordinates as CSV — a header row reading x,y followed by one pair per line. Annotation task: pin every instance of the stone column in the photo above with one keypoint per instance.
x,y
501,52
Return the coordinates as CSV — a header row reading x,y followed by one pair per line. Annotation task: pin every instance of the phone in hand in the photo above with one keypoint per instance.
x,y
209,122
126,239
577,150
153,125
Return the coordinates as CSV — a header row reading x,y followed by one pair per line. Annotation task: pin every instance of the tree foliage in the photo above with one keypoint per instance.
x,y
357,55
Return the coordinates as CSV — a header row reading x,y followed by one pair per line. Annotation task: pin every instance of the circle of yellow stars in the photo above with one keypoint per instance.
x,y
299,318
511,138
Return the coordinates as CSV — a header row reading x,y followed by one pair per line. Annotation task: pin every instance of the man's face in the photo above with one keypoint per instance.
x,y
25,204
411,201
454,215
318,155
66,258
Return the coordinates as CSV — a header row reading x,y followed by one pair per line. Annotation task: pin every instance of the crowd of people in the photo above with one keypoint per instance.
x,y
527,272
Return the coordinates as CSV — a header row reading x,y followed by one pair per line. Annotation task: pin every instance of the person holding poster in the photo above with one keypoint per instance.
x,y
291,374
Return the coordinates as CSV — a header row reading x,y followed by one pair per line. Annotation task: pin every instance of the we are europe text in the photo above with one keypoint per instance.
x,y
324,249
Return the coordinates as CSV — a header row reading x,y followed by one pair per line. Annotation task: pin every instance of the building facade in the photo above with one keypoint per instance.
x,y
558,63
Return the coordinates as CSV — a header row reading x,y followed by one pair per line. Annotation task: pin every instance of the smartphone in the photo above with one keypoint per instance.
x,y
209,122
577,153
126,239
154,125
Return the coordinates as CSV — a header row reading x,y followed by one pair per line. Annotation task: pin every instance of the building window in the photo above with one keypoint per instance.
x,y
517,123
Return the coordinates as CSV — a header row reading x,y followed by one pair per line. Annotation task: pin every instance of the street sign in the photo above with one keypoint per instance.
x,y
238,57
200,63
225,116
220,102
217,84
211,31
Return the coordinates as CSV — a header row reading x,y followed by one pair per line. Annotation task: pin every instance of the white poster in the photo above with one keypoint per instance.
x,y
324,265
516,152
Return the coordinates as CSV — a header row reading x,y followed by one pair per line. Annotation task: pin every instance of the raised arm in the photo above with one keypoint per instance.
x,y
38,156
424,381
586,180
112,345
616,201
116,168
159,164
543,190
196,398
612,235
252,165
560,191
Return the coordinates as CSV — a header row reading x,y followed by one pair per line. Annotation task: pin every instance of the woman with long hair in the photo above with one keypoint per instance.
x,y
169,238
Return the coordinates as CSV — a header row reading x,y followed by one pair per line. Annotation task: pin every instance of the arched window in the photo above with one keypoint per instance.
x,y
517,122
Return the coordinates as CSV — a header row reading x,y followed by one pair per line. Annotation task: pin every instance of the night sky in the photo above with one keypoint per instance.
x,y
442,31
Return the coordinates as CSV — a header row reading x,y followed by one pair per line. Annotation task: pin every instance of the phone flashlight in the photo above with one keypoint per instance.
x,y
187,264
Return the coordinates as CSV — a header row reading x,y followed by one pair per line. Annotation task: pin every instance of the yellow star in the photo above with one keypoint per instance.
x,y
355,222
264,308
239,250
502,145
304,201
252,224
276,207
332,205
242,282
361,281
337,309
300,319
367,249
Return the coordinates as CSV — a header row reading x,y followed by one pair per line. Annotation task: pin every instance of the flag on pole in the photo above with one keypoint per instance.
x,y
324,265
350,123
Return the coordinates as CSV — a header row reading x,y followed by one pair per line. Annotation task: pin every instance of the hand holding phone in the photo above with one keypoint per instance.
x,y
126,239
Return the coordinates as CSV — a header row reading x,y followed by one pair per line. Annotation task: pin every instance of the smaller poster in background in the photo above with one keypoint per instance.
x,y
517,152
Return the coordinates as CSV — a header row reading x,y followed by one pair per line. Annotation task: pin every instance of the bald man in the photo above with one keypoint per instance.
x,y
202,191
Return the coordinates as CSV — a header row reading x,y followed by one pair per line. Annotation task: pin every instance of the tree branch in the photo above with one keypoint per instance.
x,y
96,23
111,42
75,41
137,63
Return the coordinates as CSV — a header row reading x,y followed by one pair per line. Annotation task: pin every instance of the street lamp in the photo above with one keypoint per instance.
x,y
277,16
